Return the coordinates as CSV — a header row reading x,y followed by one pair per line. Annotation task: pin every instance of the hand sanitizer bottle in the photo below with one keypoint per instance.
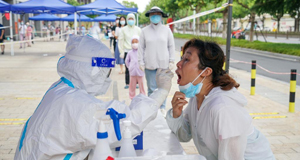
x,y
127,149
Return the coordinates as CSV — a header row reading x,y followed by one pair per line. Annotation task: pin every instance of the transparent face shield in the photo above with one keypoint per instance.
x,y
97,62
104,62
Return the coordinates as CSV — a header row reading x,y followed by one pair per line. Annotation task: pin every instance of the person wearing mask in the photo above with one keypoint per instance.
x,y
110,28
119,60
63,125
67,32
156,49
215,117
32,33
136,74
2,37
83,30
22,32
125,41
28,34
114,33
44,30
95,31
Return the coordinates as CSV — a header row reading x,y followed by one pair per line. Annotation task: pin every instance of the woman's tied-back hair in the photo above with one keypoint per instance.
x,y
211,55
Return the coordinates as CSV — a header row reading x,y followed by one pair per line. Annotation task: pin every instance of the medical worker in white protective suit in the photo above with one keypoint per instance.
x,y
215,117
62,126
95,31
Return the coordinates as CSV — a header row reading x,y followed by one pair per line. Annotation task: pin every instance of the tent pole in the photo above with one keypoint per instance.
x,y
11,35
75,23
79,22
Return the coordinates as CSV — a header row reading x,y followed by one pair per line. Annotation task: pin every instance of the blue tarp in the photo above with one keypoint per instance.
x,y
83,18
104,7
43,6
106,18
4,6
45,17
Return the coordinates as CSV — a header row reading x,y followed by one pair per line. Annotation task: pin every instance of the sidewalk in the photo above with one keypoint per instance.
x,y
25,77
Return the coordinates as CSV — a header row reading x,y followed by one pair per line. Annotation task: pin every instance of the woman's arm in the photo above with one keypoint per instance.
x,y
177,120
141,50
232,148
121,43
127,60
180,126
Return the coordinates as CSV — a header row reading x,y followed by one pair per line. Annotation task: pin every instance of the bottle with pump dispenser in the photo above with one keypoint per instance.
x,y
127,148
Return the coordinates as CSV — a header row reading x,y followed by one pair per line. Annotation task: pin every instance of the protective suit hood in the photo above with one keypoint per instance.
x,y
130,15
76,65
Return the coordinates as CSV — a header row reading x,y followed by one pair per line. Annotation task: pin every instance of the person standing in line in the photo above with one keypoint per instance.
x,y
95,31
28,34
83,30
32,33
156,49
22,32
136,74
120,61
125,41
44,30
52,29
113,32
2,37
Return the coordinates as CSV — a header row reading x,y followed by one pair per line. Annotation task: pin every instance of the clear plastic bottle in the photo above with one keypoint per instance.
x,y
127,149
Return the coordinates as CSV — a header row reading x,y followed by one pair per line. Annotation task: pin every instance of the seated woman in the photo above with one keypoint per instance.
x,y
215,117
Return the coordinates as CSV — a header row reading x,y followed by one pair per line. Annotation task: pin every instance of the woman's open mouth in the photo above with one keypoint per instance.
x,y
179,78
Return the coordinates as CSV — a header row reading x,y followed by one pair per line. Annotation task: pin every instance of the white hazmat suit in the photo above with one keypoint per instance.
x,y
62,126
95,31
222,128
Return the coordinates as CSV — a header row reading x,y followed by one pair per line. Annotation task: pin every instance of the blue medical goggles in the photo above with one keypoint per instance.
x,y
95,61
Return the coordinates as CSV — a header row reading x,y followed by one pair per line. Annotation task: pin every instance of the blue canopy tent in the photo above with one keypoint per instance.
x,y
81,18
43,6
104,7
45,17
105,18
4,7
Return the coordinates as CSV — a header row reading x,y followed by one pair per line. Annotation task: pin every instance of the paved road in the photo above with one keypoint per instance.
x,y
269,61
259,38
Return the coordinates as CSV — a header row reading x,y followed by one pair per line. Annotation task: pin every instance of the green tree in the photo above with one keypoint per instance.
x,y
196,5
129,4
249,6
74,3
293,8
275,8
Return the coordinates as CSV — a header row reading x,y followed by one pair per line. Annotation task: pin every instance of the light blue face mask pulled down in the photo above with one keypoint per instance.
x,y
155,19
190,90
131,22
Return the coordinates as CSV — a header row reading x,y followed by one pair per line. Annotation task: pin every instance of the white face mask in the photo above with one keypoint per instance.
x,y
135,45
122,22
117,21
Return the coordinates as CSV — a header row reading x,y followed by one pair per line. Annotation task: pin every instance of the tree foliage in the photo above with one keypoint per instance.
x,y
74,3
129,4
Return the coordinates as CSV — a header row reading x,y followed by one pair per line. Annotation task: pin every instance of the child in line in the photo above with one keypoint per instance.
x,y
136,74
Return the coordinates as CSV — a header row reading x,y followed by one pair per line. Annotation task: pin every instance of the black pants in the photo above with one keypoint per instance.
x,y
126,71
114,44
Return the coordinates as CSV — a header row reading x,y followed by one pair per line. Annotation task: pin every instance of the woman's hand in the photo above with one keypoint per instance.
x,y
178,102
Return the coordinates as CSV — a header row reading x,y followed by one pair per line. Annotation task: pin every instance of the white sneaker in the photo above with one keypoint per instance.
x,y
163,112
